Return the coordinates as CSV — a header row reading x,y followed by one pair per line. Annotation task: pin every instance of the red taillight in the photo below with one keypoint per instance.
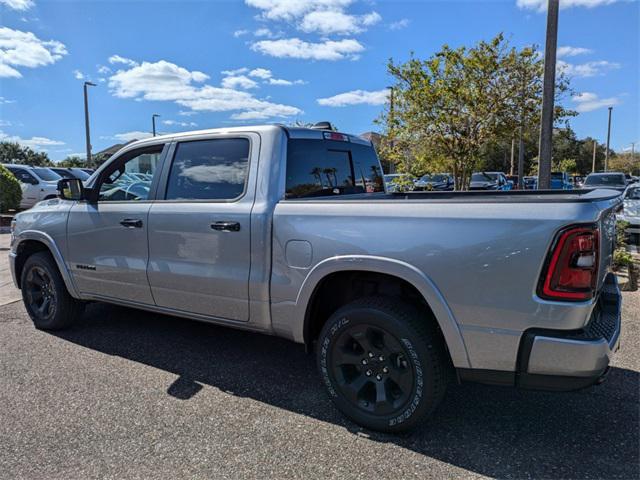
x,y
572,268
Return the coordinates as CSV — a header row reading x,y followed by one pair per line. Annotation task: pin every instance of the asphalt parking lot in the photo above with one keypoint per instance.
x,y
139,395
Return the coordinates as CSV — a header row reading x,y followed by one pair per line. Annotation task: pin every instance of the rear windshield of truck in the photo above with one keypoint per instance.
x,y
613,179
317,168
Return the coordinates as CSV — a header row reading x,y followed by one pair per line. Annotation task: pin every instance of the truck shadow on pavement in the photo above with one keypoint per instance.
x,y
494,431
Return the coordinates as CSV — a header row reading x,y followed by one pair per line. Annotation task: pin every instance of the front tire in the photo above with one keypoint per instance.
x,y
45,295
383,364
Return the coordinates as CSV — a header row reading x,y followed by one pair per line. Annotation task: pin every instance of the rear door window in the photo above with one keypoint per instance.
x,y
324,167
23,176
209,170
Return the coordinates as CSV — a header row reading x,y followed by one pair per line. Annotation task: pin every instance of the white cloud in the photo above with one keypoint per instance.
x,y
125,61
264,32
239,81
296,48
6,100
568,51
333,21
356,97
18,4
318,16
166,81
134,135
24,49
240,33
262,73
588,69
237,71
588,101
35,143
370,19
283,82
179,124
541,5
400,24
103,70
155,81
187,113
288,10
78,75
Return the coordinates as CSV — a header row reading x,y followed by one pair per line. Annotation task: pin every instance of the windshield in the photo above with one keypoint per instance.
x,y
434,178
633,194
484,177
615,179
46,174
63,173
397,177
81,174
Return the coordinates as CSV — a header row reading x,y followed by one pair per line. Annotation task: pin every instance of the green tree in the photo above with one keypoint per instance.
x,y
10,191
460,104
73,162
12,152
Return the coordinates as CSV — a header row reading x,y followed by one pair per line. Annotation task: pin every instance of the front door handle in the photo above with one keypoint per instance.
x,y
226,226
131,223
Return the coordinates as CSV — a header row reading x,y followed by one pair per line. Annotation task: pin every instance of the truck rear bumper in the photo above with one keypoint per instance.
x,y
564,360
557,360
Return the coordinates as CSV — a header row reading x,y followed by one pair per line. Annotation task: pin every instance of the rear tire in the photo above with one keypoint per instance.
x,y
383,363
45,295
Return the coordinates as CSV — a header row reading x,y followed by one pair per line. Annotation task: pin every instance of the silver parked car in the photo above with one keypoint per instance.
x,y
290,232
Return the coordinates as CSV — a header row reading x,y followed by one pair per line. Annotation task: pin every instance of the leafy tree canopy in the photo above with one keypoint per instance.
x,y
12,152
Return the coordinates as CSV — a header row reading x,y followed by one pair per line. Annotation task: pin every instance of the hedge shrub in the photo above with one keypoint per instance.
x,y
10,191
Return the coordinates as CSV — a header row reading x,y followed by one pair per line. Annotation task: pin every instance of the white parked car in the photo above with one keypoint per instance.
x,y
631,210
37,183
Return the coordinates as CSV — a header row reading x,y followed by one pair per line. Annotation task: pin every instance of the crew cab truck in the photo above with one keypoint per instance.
x,y
288,231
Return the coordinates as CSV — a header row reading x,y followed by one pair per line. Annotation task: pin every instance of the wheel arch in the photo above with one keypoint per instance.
x,y
29,242
400,273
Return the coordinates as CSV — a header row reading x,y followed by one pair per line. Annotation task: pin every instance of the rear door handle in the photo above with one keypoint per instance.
x,y
226,226
131,223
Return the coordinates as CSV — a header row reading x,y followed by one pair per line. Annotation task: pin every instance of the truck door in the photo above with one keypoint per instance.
x,y
199,227
107,239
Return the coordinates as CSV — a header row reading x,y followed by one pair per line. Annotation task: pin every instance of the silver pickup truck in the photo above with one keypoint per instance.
x,y
289,232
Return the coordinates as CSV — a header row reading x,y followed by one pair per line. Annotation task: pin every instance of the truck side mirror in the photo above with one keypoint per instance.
x,y
71,189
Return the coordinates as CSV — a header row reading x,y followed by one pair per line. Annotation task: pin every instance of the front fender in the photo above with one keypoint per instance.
x,y
50,243
396,268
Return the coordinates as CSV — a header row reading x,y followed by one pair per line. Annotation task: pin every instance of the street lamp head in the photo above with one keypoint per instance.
x,y
90,84
155,115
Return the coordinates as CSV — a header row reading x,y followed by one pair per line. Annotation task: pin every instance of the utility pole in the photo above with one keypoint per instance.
x,y
593,166
606,154
513,155
153,123
86,120
548,92
521,135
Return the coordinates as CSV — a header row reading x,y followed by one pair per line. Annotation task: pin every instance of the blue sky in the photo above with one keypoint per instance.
x,y
204,64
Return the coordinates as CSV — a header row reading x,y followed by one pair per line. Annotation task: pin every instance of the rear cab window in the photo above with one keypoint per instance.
x,y
317,168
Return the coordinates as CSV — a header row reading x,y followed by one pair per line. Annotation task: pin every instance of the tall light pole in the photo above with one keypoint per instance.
x,y
153,122
548,93
606,154
86,120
